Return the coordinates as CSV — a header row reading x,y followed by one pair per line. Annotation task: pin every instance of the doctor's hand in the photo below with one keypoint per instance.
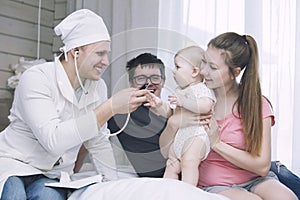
x,y
128,100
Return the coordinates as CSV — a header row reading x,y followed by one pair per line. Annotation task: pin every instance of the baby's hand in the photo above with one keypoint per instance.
x,y
153,101
180,98
172,101
176,100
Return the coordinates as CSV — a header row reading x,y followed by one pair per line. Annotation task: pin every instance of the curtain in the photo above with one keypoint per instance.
x,y
296,105
273,24
278,71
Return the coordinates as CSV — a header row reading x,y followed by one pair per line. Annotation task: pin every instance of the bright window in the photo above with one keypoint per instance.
x,y
271,22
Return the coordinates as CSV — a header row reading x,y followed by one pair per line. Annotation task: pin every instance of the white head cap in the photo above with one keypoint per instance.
x,y
80,28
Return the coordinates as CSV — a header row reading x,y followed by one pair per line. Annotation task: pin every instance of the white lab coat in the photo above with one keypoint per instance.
x,y
48,126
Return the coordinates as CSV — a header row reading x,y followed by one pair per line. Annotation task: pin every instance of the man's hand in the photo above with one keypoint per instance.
x,y
128,100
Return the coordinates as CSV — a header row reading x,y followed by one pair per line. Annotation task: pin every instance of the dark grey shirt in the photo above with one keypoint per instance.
x,y
140,140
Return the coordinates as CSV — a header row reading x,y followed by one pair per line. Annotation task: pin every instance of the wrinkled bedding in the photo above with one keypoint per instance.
x,y
143,189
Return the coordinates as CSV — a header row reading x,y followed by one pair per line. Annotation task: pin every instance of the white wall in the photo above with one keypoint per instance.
x,y
18,38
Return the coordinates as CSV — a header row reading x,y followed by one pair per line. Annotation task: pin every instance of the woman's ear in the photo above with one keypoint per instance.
x,y
236,71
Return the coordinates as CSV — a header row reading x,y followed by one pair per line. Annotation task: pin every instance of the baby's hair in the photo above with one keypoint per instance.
x,y
192,54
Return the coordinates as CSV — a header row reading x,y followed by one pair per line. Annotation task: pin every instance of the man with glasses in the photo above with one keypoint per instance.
x,y
140,139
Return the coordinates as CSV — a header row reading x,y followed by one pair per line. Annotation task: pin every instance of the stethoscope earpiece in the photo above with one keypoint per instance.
x,y
76,53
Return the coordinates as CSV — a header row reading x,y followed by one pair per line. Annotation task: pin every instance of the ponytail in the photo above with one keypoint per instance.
x,y
241,52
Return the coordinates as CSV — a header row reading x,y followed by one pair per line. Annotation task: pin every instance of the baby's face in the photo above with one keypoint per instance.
x,y
182,72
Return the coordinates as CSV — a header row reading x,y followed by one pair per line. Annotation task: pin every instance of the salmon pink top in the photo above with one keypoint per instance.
x,y
215,170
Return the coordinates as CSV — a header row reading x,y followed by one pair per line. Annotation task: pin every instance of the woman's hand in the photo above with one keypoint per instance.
x,y
128,100
184,118
213,132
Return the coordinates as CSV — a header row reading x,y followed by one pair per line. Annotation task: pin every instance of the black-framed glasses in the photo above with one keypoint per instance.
x,y
142,79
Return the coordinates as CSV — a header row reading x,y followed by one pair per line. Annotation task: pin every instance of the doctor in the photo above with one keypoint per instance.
x,y
57,107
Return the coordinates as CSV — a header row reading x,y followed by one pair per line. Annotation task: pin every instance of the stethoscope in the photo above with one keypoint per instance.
x,y
85,91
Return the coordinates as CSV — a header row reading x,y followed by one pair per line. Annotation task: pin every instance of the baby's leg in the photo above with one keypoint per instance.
x,y
173,165
193,152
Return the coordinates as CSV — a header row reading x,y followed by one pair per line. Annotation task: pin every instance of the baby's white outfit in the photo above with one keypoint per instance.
x,y
183,134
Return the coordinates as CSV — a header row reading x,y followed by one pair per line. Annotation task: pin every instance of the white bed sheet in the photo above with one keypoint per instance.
x,y
143,189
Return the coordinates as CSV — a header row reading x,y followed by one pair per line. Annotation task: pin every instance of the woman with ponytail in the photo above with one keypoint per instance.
x,y
240,130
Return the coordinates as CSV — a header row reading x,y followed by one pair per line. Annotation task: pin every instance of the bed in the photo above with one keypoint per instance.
x,y
130,187
143,189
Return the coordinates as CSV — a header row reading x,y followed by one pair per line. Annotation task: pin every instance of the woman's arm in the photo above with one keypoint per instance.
x,y
256,164
197,98
180,118
198,105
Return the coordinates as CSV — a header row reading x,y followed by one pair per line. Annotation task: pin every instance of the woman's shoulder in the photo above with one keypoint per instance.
x,y
267,109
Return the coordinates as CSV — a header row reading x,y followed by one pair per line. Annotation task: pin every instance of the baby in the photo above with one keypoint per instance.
x,y
191,144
